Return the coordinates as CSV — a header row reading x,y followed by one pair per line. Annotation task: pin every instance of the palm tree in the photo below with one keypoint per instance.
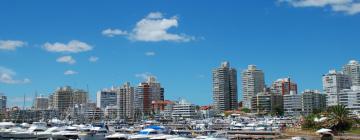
x,y
338,118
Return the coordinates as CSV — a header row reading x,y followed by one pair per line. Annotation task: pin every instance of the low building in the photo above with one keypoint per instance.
x,y
312,101
292,104
184,109
266,102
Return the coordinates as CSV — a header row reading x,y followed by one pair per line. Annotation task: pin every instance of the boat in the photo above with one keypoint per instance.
x,y
95,133
148,132
69,133
47,134
117,136
31,133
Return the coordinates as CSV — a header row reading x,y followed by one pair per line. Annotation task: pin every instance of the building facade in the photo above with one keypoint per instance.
x,y
145,93
333,83
41,103
284,86
350,98
352,69
312,101
183,109
253,82
224,88
107,97
266,102
292,104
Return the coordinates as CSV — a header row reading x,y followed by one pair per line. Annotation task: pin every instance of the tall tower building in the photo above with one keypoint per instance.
x,y
125,101
252,83
145,93
224,88
41,103
62,99
3,101
284,86
352,69
333,83
107,97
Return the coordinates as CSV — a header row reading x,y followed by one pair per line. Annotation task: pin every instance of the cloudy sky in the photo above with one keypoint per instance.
x,y
44,45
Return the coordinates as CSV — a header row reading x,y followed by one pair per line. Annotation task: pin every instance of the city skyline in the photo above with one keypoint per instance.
x,y
43,47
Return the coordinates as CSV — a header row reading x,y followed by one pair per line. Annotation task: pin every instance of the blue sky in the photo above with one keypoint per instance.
x,y
44,45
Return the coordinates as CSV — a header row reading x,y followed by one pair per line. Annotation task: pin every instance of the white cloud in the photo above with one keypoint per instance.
x,y
93,58
6,76
11,45
70,72
113,32
66,59
74,46
350,7
154,27
150,53
144,75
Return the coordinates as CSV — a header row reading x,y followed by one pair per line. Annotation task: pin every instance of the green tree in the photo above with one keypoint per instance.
x,y
246,110
338,118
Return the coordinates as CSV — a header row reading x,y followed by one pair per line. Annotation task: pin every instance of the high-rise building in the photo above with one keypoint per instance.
x,y
312,101
333,83
65,98
350,98
3,100
80,97
353,70
107,97
145,93
224,88
41,103
292,104
62,99
252,83
125,101
284,86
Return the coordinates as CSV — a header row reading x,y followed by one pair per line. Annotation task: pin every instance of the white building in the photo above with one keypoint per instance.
x,y
292,104
350,98
333,83
184,109
41,103
225,88
352,69
252,83
106,98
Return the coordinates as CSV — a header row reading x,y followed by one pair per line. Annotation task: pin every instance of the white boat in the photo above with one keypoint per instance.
x,y
145,134
215,136
47,133
68,133
163,137
117,136
95,133
31,133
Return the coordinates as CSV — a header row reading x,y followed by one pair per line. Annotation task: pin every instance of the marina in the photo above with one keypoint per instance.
x,y
214,128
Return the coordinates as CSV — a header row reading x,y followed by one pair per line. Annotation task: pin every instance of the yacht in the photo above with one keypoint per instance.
x,y
95,133
68,133
148,132
47,134
31,133
117,136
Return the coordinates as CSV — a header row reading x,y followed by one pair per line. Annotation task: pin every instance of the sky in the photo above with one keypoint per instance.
x,y
99,44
